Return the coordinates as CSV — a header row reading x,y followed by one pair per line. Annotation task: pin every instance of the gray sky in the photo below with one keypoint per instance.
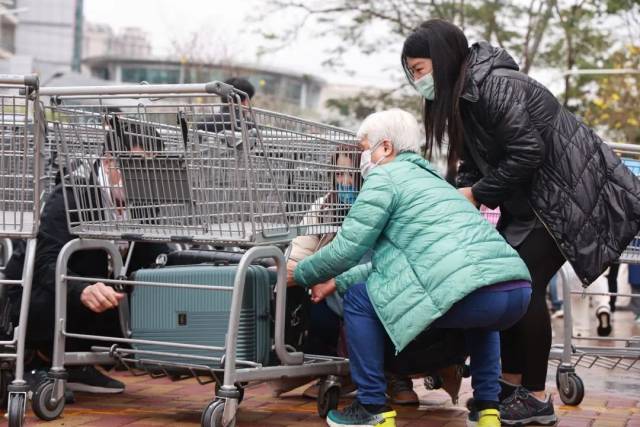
x,y
228,24
231,26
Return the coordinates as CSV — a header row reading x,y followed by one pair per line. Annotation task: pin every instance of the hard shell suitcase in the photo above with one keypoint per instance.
x,y
195,316
219,257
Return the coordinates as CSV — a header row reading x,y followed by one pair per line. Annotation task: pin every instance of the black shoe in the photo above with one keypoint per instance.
x,y
506,390
90,380
604,323
522,409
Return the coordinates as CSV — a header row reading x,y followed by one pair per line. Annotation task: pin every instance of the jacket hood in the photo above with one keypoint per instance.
x,y
483,59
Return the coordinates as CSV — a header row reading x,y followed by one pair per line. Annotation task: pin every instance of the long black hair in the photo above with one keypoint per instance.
x,y
448,48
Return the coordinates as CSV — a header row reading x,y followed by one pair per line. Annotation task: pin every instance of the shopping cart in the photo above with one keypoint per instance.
x,y
20,171
615,353
212,173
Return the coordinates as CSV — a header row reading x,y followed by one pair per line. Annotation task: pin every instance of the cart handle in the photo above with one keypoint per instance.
x,y
30,80
215,87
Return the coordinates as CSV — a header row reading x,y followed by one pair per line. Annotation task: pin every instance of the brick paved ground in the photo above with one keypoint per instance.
x,y
612,400
148,402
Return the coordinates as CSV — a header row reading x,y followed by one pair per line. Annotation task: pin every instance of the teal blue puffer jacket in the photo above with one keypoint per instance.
x,y
431,248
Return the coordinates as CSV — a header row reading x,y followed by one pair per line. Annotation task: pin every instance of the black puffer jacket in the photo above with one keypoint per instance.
x,y
526,142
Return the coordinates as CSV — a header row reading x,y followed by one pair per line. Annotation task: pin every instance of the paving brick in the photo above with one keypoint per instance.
x,y
149,402
574,422
426,422
619,402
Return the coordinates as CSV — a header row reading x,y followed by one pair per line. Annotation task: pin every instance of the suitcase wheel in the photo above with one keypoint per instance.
x,y
328,400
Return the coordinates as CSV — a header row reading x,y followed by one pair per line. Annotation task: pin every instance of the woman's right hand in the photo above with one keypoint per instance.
x,y
466,192
291,267
322,290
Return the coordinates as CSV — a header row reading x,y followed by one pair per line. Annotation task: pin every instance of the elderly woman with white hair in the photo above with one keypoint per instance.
x,y
437,263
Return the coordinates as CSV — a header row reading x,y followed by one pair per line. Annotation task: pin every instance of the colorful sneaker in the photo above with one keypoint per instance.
x,y
489,418
357,415
522,409
506,390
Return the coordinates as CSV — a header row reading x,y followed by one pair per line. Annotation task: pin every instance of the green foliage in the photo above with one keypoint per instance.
x,y
614,106
559,34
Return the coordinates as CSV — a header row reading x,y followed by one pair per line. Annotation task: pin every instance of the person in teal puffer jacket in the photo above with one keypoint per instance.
x,y
437,263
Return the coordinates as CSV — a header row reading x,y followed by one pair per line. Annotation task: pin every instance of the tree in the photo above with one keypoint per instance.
x,y
556,34
614,106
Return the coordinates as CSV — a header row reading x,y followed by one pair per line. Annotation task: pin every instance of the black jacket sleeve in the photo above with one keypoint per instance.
x,y
508,119
468,172
52,236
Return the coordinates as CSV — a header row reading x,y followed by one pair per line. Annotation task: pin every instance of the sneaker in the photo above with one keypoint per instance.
x,y
522,409
604,322
357,415
506,390
489,418
400,391
90,380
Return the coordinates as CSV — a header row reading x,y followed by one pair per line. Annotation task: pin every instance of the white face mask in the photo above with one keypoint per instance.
x,y
426,86
366,165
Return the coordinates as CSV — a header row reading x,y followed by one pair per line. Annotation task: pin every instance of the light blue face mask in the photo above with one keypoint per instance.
x,y
426,86
347,194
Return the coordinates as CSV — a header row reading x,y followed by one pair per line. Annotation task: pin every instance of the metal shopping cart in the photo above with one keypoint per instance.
x,y
620,353
20,172
215,172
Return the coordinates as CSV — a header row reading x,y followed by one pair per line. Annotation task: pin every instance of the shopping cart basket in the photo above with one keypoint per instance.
x,y
216,172
20,175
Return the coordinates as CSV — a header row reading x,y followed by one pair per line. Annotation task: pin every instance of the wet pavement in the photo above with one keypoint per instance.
x,y
612,400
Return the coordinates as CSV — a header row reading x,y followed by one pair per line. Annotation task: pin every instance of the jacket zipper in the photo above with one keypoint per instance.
x,y
584,284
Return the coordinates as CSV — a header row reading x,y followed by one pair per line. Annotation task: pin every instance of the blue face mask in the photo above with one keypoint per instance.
x,y
347,194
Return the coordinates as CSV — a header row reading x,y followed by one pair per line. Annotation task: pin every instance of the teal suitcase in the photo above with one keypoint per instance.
x,y
195,316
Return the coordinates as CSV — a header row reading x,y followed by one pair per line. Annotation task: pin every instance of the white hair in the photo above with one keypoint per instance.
x,y
395,125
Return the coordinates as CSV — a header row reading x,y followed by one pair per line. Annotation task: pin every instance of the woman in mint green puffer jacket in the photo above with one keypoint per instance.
x,y
437,262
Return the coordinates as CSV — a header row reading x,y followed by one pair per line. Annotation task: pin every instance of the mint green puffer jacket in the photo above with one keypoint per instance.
x,y
431,248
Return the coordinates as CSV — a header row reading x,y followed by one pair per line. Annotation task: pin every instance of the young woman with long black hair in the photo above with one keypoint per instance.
x,y
562,192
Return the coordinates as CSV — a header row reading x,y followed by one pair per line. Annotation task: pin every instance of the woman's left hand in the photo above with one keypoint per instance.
x,y
322,290
466,192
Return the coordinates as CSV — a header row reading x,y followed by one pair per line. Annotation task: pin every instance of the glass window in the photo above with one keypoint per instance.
x,y
150,75
293,91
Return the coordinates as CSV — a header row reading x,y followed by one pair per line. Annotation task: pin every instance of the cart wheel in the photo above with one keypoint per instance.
x,y
239,386
328,400
212,415
41,405
16,409
573,393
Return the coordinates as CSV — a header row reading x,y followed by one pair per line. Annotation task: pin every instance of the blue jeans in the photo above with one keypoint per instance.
x,y
482,314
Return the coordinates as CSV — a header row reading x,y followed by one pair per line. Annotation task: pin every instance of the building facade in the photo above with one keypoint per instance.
x,y
47,33
301,91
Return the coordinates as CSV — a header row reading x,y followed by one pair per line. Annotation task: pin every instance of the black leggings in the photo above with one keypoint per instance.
x,y
525,346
